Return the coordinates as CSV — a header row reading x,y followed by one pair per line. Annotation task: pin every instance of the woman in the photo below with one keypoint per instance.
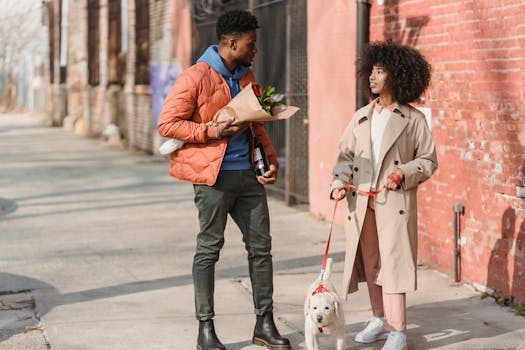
x,y
386,151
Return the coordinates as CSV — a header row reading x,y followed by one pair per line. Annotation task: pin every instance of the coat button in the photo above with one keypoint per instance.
x,y
401,212
356,169
396,162
349,217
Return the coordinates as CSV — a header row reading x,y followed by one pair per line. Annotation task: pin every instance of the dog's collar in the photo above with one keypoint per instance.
x,y
320,289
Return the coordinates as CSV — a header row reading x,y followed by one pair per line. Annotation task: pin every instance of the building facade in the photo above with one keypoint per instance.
x,y
112,62
477,116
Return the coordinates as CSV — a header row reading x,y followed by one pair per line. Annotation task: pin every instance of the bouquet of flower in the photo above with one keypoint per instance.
x,y
255,104
267,97
251,104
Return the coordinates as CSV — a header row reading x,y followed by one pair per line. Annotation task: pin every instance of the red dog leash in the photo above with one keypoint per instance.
x,y
347,187
366,193
320,288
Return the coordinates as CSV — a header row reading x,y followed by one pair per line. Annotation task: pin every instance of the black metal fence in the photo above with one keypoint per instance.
x,y
281,62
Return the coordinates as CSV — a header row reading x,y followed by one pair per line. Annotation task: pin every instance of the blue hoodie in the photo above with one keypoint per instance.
x,y
237,155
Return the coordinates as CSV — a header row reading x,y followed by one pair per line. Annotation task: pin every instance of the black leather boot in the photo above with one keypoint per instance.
x,y
207,339
266,334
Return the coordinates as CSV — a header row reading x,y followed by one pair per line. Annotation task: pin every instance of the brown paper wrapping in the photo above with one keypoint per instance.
x,y
245,107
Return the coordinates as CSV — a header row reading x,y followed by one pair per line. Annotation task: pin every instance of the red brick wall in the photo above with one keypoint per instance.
x,y
477,50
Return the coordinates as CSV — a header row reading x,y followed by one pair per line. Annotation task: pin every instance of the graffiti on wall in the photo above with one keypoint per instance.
x,y
162,77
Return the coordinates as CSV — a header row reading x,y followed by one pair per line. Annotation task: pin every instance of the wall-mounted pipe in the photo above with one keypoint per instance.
x,y
362,39
458,209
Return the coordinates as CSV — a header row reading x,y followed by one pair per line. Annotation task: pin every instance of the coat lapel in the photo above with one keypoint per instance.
x,y
397,123
362,133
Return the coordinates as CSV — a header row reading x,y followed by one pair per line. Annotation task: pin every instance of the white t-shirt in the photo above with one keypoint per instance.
x,y
377,129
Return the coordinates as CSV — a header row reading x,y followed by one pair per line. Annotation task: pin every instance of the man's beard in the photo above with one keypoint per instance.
x,y
242,63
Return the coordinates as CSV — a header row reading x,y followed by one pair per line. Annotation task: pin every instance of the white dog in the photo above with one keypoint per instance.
x,y
323,313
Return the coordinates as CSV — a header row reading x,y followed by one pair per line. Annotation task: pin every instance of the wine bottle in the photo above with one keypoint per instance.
x,y
259,159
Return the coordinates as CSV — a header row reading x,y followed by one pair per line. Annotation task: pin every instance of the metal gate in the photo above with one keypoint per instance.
x,y
281,62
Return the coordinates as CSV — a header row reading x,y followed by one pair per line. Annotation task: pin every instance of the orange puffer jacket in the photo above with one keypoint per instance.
x,y
197,95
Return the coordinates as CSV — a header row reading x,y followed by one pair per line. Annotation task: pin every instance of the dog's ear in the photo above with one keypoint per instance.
x,y
335,296
335,303
307,306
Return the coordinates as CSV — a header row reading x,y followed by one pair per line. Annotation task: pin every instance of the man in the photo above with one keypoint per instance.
x,y
217,160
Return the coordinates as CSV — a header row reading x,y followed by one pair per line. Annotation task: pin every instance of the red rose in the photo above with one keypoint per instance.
x,y
266,97
256,90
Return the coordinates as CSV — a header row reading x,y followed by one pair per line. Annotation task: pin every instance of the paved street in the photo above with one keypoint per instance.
x,y
96,246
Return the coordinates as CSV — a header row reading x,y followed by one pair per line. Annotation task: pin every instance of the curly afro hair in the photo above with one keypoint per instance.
x,y
408,71
235,22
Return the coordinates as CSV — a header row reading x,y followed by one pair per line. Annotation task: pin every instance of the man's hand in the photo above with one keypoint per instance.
x,y
338,193
226,128
269,177
394,180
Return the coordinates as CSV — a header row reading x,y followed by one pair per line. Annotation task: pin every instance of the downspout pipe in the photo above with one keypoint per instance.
x,y
362,39
458,210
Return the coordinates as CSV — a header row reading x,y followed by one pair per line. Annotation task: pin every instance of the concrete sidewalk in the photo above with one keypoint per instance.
x,y
96,246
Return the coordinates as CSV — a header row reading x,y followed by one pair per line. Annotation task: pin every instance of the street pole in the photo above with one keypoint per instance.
x,y
362,39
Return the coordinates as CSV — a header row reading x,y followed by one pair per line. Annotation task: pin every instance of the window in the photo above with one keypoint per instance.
x,y
93,42
142,42
116,60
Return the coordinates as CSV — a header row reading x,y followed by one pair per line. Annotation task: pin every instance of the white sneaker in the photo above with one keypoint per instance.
x,y
396,341
374,330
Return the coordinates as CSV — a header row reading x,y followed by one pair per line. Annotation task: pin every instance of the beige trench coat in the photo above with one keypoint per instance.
x,y
407,144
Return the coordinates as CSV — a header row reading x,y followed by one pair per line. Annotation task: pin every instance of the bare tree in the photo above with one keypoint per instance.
x,y
21,40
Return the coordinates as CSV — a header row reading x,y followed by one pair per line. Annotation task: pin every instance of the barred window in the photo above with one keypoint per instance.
x,y
51,25
142,42
116,59
93,42
62,67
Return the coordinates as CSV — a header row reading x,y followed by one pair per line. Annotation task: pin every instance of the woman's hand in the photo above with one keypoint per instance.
x,y
269,177
338,193
394,180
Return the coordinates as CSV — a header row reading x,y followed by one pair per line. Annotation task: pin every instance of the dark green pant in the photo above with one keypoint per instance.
x,y
237,193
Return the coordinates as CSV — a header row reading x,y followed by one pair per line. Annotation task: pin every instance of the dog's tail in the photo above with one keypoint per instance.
x,y
325,276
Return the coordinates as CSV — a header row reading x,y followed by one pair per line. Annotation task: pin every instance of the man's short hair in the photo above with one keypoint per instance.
x,y
235,22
